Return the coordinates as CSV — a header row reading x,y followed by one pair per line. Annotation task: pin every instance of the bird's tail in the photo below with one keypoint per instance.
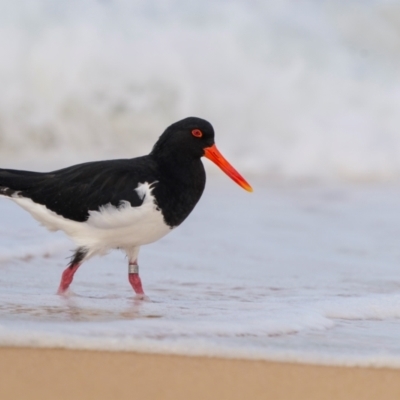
x,y
12,180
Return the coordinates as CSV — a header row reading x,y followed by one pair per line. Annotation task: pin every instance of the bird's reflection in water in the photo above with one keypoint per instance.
x,y
78,308
74,310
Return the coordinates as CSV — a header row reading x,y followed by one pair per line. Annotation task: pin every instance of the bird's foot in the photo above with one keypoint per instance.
x,y
65,293
62,292
141,297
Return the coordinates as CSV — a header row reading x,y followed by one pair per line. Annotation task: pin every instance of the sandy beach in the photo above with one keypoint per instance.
x,y
32,374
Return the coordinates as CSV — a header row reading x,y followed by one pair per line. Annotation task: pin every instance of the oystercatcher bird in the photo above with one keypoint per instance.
x,y
122,204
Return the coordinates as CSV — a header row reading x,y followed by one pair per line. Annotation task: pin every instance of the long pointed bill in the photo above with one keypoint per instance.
x,y
213,154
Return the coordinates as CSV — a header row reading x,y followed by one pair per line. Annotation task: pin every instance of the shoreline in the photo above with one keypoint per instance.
x,y
381,361
32,373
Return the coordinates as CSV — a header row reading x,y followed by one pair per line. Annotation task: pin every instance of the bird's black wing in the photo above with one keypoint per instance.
x,y
74,191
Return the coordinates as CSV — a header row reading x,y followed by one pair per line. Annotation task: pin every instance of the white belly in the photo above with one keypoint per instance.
x,y
124,227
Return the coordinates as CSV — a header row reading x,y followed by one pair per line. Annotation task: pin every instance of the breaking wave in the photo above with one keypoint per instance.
x,y
293,88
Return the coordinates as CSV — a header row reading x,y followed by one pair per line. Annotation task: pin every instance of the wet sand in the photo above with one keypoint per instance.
x,y
67,374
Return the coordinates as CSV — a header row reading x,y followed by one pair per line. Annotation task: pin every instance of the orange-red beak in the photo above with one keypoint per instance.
x,y
213,154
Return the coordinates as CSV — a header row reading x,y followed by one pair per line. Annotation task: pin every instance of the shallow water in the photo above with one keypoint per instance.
x,y
291,272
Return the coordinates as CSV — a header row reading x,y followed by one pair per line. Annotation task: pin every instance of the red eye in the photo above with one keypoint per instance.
x,y
197,133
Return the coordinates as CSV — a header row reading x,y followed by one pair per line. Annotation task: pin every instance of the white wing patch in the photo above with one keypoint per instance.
x,y
111,227
109,216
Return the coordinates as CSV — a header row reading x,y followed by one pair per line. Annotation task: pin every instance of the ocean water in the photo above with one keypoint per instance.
x,y
295,88
304,273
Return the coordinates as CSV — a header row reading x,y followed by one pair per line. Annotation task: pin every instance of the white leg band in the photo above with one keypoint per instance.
x,y
133,269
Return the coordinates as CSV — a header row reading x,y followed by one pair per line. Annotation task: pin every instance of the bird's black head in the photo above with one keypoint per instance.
x,y
185,139
190,139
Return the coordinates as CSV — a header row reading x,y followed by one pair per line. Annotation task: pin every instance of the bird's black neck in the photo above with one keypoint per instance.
x,y
181,184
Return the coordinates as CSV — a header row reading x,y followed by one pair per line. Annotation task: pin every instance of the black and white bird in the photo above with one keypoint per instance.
x,y
121,204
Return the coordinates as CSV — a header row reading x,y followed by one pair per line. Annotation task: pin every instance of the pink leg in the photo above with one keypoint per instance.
x,y
68,274
134,279
67,277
